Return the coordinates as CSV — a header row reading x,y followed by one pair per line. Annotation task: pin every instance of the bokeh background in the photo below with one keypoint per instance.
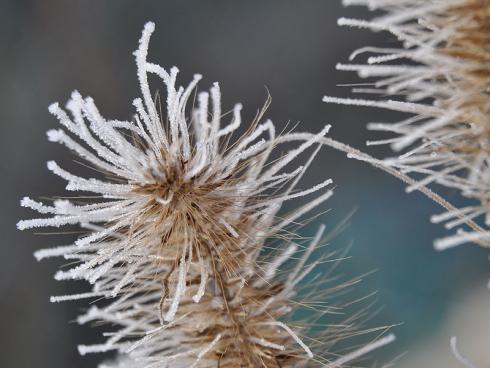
x,y
289,47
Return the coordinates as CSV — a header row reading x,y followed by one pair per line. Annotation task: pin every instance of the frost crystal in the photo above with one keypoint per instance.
x,y
440,77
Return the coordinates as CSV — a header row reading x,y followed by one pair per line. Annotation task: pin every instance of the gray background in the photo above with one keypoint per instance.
x,y
48,48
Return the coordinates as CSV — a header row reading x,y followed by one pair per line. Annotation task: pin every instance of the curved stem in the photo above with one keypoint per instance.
x,y
361,156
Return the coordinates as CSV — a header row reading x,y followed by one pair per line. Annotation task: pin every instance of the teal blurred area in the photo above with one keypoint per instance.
x,y
286,47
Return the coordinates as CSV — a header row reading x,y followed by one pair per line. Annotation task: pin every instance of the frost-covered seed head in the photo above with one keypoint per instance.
x,y
440,76
177,191
177,219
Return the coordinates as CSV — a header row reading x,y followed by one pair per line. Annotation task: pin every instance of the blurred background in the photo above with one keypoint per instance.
x,y
288,47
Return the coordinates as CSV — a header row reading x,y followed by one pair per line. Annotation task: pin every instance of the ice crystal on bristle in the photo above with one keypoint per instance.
x,y
441,77
244,321
179,195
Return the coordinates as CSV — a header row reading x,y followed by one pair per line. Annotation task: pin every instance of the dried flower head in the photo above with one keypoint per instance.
x,y
176,194
441,76
245,321
177,223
